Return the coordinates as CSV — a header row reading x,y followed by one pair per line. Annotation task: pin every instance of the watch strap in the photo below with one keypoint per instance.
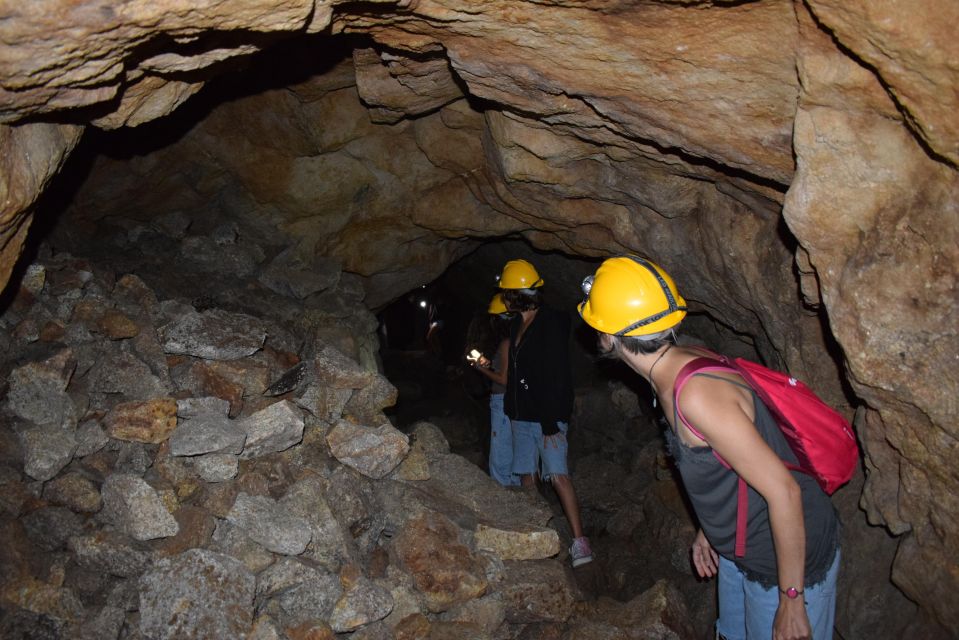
x,y
792,592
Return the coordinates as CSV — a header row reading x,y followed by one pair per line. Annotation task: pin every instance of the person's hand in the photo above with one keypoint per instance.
x,y
550,428
483,361
705,558
791,621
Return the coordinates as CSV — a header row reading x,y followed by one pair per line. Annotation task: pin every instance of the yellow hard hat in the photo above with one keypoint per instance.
x,y
519,274
496,305
631,296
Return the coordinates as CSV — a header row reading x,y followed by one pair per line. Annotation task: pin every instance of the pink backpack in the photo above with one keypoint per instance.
x,y
818,435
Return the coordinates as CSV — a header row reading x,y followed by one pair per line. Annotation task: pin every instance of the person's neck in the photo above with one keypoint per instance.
x,y
528,315
644,363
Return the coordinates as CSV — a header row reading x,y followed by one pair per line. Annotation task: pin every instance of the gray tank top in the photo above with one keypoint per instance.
x,y
712,489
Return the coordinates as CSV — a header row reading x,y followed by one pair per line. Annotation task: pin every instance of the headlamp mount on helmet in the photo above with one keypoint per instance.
x,y
588,285
670,298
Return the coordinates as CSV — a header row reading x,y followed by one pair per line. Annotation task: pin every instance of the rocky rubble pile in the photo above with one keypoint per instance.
x,y
172,472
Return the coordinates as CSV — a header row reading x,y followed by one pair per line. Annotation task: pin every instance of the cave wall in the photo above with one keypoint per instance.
x,y
690,132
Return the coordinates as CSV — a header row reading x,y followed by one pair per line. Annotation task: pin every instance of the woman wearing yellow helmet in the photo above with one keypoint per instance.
x,y
501,432
791,537
519,274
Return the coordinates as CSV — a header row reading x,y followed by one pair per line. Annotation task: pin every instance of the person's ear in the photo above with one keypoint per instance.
x,y
606,342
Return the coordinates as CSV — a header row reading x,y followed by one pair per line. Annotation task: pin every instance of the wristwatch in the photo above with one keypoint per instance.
x,y
792,592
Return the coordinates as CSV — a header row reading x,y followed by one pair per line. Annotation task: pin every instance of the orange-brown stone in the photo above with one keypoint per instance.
x,y
117,325
444,569
151,421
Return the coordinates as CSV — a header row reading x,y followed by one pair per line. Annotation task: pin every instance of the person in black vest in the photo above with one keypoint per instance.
x,y
539,393
784,585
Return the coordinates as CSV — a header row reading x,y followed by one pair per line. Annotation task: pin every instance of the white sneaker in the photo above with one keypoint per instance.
x,y
580,552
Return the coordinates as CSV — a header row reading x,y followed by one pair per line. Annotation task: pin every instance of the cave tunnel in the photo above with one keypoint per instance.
x,y
246,247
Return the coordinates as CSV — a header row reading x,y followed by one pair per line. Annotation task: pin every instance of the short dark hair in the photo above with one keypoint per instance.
x,y
521,299
634,345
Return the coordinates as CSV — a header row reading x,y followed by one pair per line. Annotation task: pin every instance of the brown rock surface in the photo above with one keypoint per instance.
x,y
666,128
659,612
538,591
116,325
47,61
32,154
886,262
75,491
530,543
151,422
396,87
913,50
444,570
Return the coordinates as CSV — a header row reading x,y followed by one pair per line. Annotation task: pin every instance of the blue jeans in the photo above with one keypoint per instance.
x,y
747,610
500,444
532,452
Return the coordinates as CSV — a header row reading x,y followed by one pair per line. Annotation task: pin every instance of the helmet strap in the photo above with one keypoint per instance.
x,y
670,299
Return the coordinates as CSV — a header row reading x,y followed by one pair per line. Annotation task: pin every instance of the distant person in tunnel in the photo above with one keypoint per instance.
x,y
782,585
539,393
434,326
495,369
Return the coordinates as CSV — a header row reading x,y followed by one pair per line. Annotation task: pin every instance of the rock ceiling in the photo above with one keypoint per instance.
x,y
743,145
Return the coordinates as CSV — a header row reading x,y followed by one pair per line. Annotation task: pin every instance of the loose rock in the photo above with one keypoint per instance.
x,y
90,438
374,452
537,591
134,506
444,570
363,603
231,540
111,552
216,467
206,433
37,390
269,524
47,450
74,491
276,428
151,421
337,370
213,335
197,594
50,527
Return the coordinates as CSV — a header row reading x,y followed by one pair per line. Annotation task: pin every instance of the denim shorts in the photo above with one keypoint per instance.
x,y
500,444
532,452
747,609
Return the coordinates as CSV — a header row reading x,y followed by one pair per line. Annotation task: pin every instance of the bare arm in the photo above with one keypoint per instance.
x,y
722,414
704,556
502,356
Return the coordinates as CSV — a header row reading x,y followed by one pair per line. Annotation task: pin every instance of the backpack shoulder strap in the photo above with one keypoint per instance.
x,y
691,368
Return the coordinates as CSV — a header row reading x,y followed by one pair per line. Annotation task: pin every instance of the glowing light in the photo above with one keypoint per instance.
x,y
422,304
